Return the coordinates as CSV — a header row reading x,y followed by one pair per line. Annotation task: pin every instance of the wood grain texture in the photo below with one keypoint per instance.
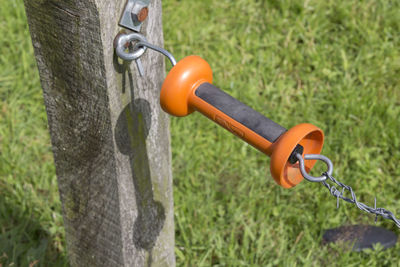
x,y
110,138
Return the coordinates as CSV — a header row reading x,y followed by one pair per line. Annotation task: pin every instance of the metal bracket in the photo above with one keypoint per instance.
x,y
135,12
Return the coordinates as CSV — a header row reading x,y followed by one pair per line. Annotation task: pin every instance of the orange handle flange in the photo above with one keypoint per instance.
x,y
188,87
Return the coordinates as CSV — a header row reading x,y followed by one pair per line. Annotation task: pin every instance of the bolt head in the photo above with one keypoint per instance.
x,y
143,14
139,12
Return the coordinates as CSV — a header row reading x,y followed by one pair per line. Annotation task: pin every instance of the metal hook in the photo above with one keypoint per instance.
x,y
124,39
139,48
311,178
143,43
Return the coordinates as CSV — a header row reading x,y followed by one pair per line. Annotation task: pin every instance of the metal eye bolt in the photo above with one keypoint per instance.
x,y
126,39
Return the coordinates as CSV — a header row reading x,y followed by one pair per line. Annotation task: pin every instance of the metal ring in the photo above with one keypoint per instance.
x,y
123,39
311,178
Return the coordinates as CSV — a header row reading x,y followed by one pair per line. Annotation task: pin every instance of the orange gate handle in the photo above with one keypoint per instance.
x,y
188,87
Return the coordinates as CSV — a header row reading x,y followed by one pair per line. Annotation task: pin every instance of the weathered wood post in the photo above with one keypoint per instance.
x,y
110,139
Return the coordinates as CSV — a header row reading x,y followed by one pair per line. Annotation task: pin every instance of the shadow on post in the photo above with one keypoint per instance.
x,y
132,129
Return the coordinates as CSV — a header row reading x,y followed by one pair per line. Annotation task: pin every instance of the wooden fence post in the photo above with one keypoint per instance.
x,y
110,138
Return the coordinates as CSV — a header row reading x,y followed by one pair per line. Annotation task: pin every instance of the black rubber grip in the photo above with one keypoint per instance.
x,y
240,112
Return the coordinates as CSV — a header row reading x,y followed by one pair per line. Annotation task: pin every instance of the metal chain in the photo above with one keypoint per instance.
x,y
339,194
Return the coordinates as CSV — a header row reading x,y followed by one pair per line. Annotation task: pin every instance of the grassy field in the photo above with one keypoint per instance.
x,y
335,64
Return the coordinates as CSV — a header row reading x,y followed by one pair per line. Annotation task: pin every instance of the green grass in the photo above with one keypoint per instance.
x,y
335,64
31,226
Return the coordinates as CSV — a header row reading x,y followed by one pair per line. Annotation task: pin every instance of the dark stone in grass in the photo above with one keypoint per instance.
x,y
360,237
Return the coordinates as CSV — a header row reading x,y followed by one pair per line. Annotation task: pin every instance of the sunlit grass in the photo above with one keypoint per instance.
x,y
335,64
332,63
31,226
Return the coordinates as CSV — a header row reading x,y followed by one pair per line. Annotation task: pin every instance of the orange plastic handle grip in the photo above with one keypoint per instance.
x,y
188,87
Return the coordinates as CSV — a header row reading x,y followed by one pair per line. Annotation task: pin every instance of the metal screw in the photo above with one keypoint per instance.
x,y
139,12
